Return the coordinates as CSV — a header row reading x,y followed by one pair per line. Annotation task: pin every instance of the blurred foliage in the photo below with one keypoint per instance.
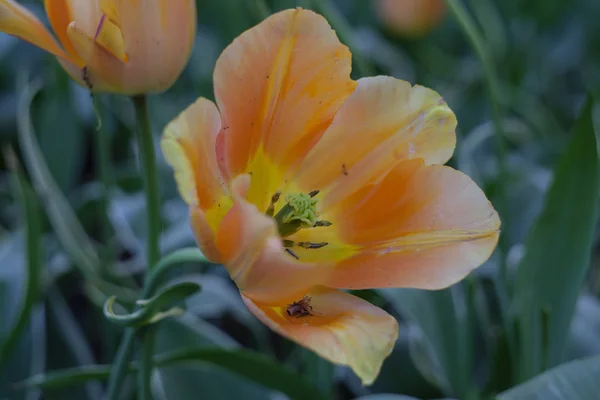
x,y
533,306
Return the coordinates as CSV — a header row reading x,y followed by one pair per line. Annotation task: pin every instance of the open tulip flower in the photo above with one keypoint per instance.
x,y
303,182
122,46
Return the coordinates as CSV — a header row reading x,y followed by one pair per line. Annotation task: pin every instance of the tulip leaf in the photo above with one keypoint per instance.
x,y
552,272
31,217
151,310
575,380
248,364
64,221
441,352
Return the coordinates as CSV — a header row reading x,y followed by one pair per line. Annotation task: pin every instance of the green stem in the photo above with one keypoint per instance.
x,y
31,217
261,9
121,365
148,162
146,364
103,166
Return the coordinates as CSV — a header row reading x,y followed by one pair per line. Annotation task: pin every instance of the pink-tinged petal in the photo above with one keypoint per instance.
x,y
16,20
344,329
384,121
278,86
254,256
421,226
189,145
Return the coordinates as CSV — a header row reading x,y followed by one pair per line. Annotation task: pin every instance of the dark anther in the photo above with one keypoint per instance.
x,y
274,199
311,245
288,243
290,252
313,193
323,223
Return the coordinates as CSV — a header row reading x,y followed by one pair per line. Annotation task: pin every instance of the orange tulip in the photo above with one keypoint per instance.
x,y
123,46
303,182
410,17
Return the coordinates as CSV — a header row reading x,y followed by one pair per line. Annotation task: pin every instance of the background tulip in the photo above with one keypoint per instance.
x,y
120,46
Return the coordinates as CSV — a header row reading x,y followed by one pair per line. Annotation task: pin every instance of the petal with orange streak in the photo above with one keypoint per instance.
x,y
344,329
254,256
189,145
60,17
278,86
16,20
420,226
386,120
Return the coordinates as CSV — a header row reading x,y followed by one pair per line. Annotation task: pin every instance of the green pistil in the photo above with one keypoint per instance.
x,y
299,212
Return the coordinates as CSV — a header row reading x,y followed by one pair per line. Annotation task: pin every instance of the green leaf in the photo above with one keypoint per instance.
x,y
60,134
64,221
441,352
575,380
251,365
151,310
31,217
248,364
552,272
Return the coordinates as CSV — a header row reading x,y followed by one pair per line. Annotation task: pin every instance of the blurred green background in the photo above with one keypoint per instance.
x,y
533,306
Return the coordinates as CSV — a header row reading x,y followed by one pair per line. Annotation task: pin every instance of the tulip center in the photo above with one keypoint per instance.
x,y
299,212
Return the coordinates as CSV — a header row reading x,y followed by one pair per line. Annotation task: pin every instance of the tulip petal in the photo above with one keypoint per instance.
x,y
16,20
344,329
60,17
278,86
420,226
384,121
204,234
189,145
104,65
254,256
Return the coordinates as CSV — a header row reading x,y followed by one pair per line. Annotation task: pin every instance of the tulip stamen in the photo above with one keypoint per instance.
x,y
291,252
311,245
274,200
323,223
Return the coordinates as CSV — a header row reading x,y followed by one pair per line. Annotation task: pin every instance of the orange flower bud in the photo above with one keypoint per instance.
x,y
410,17
122,46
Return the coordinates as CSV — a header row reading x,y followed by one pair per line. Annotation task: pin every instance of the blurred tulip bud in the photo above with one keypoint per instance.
x,y
410,18
121,46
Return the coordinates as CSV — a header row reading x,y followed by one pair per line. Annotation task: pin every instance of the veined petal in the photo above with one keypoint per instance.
x,y
16,20
101,61
420,226
252,252
384,121
189,145
344,329
60,16
278,86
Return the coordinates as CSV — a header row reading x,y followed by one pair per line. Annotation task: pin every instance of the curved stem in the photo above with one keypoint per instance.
x,y
191,254
33,233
